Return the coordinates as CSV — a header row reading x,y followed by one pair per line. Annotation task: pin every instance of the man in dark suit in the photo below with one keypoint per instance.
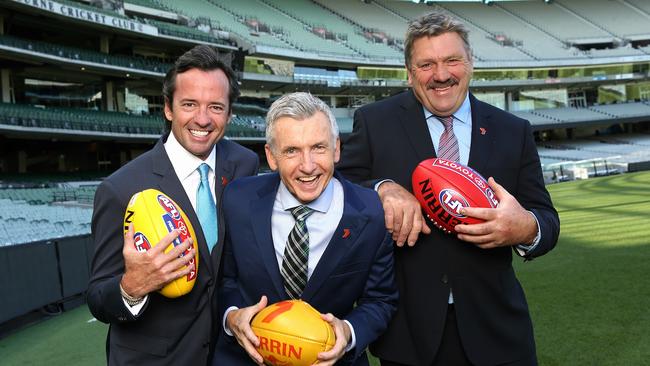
x,y
145,327
347,272
460,302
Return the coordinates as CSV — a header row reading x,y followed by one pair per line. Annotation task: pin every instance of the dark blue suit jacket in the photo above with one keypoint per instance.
x,y
167,331
353,279
390,138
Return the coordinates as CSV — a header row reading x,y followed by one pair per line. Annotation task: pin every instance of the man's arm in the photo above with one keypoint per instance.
x,y
402,212
118,267
511,223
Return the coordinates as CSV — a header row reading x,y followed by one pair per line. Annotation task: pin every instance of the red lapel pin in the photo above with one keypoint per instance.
x,y
346,233
224,181
483,131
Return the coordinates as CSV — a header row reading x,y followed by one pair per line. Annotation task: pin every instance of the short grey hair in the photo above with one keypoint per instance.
x,y
299,106
431,25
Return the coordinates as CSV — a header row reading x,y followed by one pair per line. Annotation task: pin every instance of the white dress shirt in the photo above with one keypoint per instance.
x,y
185,166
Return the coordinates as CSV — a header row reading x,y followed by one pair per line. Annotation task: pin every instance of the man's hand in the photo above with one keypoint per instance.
x,y
402,213
343,335
239,323
508,224
151,270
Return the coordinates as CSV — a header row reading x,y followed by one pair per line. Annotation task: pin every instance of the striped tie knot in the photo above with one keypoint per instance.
x,y
301,213
447,121
448,144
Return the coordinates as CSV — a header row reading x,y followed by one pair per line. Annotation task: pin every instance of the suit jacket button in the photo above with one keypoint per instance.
x,y
444,279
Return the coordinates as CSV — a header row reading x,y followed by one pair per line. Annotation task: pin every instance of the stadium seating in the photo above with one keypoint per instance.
x,y
79,54
79,119
620,20
555,20
339,24
483,47
21,222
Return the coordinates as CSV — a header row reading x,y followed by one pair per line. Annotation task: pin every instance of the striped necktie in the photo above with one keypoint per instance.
x,y
206,208
448,145
296,254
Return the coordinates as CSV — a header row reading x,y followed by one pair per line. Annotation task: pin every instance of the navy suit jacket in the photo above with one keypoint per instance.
x,y
389,139
167,331
353,279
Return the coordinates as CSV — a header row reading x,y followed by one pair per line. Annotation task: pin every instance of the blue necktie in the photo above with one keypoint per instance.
x,y
206,208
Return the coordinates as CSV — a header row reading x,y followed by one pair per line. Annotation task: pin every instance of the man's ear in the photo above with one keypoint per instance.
x,y
168,109
337,150
273,164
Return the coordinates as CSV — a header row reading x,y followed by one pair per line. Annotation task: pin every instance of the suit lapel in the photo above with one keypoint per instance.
x,y
171,185
415,126
482,141
261,210
345,237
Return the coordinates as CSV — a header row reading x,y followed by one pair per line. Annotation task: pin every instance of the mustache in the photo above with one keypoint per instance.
x,y
434,84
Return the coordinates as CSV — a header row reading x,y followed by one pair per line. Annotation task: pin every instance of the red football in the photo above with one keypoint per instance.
x,y
443,187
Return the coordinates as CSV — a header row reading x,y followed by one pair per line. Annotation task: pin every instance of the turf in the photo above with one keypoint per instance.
x,y
589,297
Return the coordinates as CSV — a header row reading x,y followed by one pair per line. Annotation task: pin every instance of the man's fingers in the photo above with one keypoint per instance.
x,y
261,304
388,217
179,263
164,242
129,243
407,225
479,212
499,191
180,249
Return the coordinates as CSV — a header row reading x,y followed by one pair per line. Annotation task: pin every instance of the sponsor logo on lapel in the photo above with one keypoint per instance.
x,y
346,233
482,130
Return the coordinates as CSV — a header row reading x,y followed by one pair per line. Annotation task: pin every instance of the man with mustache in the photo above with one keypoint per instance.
x,y
460,302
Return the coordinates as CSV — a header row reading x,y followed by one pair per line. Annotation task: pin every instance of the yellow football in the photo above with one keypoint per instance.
x,y
154,215
292,333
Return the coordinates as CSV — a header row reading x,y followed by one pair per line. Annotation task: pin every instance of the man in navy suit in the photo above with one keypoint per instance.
x,y
460,302
348,272
145,327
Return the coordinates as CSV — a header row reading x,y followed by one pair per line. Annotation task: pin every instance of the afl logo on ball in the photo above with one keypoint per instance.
x,y
168,206
141,242
452,202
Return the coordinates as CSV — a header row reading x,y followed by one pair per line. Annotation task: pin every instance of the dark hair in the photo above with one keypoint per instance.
x,y
204,58
431,25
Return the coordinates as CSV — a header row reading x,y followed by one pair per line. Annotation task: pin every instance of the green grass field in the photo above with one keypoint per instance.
x,y
589,298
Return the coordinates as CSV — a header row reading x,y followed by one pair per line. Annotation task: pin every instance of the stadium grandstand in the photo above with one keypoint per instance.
x,y
80,89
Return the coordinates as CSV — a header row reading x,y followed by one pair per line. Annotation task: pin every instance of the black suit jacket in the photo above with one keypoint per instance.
x,y
389,139
167,331
353,280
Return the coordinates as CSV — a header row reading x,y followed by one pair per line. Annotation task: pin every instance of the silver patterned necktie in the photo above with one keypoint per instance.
x,y
296,254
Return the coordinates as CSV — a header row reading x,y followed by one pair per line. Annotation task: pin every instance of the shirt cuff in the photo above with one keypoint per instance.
x,y
522,249
380,183
135,309
225,317
353,339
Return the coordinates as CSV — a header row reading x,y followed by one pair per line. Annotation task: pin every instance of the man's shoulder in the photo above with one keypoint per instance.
x,y
367,196
404,98
245,186
136,167
235,150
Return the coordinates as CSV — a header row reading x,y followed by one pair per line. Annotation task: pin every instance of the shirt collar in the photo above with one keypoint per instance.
x,y
463,114
183,161
320,204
